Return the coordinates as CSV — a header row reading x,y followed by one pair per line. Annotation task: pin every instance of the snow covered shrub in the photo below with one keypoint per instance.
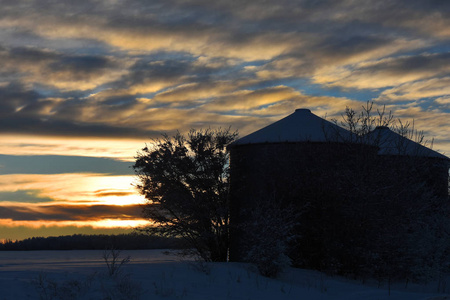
x,y
268,231
269,257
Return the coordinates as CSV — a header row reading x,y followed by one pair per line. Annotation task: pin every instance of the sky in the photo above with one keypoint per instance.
x,y
85,84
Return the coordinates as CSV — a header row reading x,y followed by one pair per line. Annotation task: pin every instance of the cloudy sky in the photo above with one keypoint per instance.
x,y
85,84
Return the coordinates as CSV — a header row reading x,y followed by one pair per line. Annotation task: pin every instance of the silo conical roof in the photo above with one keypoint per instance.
x,y
392,143
301,126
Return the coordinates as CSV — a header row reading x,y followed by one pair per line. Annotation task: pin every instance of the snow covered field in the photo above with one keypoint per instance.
x,y
151,274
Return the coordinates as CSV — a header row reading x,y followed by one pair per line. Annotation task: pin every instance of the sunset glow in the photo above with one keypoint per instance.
x,y
74,188
85,84
96,224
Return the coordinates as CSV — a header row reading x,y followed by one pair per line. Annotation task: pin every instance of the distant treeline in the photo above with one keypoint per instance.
x,y
130,241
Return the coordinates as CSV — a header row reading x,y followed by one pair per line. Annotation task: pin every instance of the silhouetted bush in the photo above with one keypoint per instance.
x,y
185,180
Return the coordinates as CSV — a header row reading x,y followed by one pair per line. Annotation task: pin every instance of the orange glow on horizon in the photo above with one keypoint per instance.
x,y
64,204
96,224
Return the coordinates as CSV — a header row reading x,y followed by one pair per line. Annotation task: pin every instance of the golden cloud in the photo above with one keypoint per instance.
x,y
283,68
386,72
199,40
435,87
120,149
199,90
444,101
75,188
247,99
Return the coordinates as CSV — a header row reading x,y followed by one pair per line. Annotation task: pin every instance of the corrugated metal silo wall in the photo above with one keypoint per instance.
x,y
299,174
327,178
429,172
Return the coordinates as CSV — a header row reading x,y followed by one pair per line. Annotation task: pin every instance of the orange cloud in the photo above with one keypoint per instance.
x,y
121,149
75,188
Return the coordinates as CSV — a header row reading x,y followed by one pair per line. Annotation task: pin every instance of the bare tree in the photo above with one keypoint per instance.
x,y
360,124
113,262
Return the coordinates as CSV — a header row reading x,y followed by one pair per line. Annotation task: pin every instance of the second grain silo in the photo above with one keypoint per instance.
x,y
412,160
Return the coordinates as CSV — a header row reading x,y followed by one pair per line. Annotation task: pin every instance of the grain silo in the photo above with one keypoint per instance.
x,y
412,160
295,160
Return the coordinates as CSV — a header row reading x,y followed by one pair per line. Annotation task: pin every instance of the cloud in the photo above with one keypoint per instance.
x,y
246,99
23,196
136,32
435,87
114,112
135,69
289,66
83,188
13,97
122,149
33,212
388,72
428,17
62,71
226,29
19,124
196,91
444,101
23,110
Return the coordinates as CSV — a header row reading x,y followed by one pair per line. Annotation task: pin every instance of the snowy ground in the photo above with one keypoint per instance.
x,y
151,274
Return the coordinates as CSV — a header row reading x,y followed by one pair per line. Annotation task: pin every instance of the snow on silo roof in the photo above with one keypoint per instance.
x,y
392,143
301,126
